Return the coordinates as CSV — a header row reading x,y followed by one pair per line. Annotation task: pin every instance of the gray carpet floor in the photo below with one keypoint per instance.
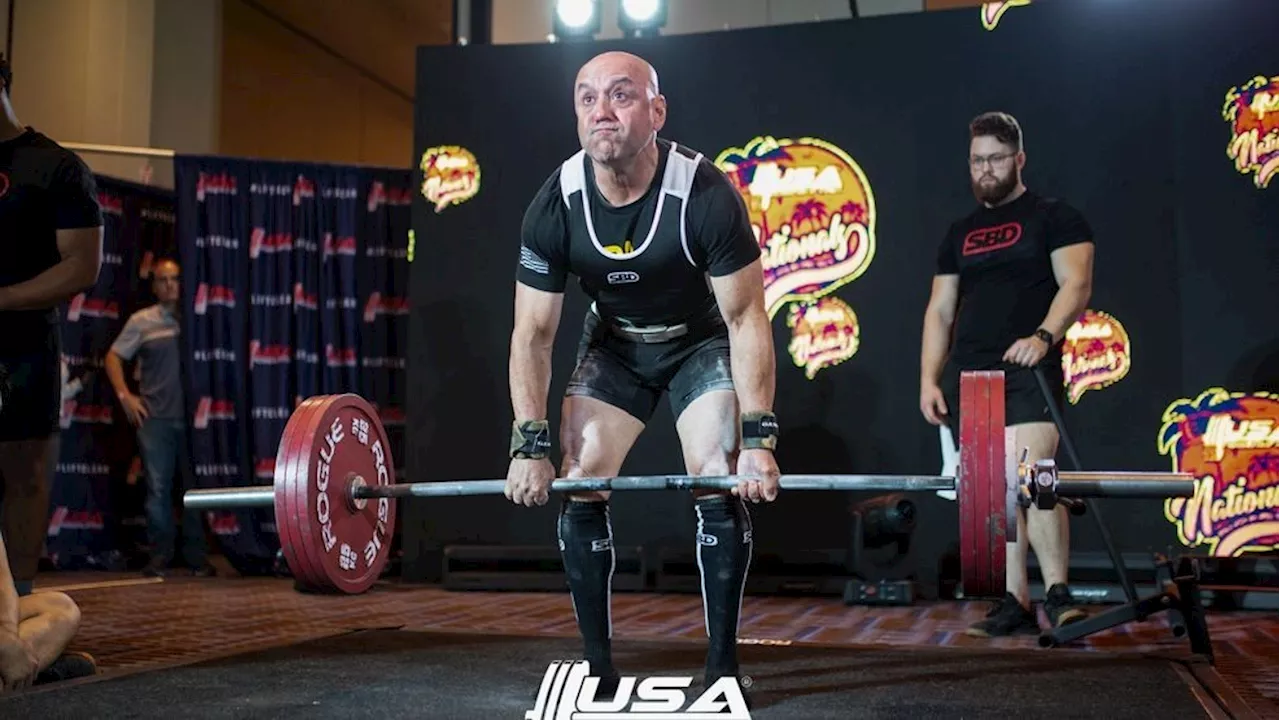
x,y
409,674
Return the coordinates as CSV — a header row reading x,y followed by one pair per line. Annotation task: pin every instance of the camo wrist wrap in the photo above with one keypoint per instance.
x,y
759,430
530,440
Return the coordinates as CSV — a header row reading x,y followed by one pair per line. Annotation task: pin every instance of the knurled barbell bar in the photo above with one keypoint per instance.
x,y
334,459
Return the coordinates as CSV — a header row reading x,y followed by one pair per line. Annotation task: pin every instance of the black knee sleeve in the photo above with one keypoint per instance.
x,y
586,547
724,556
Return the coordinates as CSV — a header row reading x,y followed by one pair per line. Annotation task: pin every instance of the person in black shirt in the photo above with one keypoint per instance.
x,y
52,249
1011,278
660,240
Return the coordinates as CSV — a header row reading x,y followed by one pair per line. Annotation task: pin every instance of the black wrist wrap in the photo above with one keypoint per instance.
x,y
759,430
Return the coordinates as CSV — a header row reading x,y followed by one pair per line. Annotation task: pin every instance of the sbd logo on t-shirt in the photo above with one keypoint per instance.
x,y
986,240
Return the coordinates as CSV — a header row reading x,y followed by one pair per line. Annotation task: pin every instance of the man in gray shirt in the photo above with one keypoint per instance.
x,y
151,335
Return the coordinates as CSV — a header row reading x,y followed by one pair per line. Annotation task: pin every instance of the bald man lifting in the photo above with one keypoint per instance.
x,y
660,241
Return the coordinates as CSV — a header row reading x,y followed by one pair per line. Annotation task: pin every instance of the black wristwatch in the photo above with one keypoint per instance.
x,y
1044,335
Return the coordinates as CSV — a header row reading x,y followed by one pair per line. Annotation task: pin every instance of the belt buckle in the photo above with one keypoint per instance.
x,y
654,335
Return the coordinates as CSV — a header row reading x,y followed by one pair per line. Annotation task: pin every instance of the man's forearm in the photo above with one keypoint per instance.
x,y
49,288
933,348
530,377
115,373
1070,300
9,615
752,362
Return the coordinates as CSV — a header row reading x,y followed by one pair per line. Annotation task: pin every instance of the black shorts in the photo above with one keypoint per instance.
x,y
1024,401
632,375
32,394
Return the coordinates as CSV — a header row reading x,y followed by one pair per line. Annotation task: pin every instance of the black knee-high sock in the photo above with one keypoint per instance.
x,y
724,555
586,547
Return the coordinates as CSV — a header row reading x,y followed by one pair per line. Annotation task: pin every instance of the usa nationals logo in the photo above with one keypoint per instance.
x,y
993,11
1229,442
1253,110
450,176
1096,354
567,693
812,212
823,333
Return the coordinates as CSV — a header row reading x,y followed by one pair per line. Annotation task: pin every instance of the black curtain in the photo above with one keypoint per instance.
x,y
1122,104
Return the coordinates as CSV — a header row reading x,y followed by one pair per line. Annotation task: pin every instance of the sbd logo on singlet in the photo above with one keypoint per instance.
x,y
986,240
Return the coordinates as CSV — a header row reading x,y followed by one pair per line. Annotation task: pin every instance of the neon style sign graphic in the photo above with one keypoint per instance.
x,y
812,211
823,333
450,176
993,11
1252,110
1096,354
1228,442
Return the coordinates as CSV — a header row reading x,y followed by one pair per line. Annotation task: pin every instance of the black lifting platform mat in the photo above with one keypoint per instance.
x,y
454,676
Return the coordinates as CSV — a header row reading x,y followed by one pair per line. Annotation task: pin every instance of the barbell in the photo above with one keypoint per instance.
x,y
334,488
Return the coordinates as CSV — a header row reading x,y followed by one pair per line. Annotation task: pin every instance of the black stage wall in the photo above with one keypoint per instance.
x,y
1122,106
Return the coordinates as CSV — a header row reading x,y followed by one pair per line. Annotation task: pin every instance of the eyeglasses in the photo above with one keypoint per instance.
x,y
978,161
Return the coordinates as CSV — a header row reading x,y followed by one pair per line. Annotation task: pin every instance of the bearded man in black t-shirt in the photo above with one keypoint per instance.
x,y
50,249
1011,278
660,240
51,240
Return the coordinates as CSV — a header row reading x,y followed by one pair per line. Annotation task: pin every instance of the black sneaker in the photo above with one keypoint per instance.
x,y
1008,617
155,568
1060,608
68,666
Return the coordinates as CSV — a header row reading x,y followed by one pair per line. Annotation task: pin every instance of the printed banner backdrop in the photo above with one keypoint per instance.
x,y
383,287
1155,118
284,256
96,500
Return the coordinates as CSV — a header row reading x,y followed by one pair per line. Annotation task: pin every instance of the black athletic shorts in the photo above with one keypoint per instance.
x,y
1024,401
32,393
632,375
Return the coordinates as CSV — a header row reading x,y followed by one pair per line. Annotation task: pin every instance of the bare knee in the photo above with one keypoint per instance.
x,y
572,468
1039,439
55,608
68,613
712,464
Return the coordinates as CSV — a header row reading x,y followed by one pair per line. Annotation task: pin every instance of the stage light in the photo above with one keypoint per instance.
x,y
578,19
640,10
886,519
880,559
637,18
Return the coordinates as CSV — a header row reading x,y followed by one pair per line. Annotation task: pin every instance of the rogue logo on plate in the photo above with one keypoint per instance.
x,y
812,211
823,333
993,11
1096,354
1255,139
1228,442
450,176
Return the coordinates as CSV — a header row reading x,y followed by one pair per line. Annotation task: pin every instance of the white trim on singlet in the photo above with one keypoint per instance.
x,y
677,181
